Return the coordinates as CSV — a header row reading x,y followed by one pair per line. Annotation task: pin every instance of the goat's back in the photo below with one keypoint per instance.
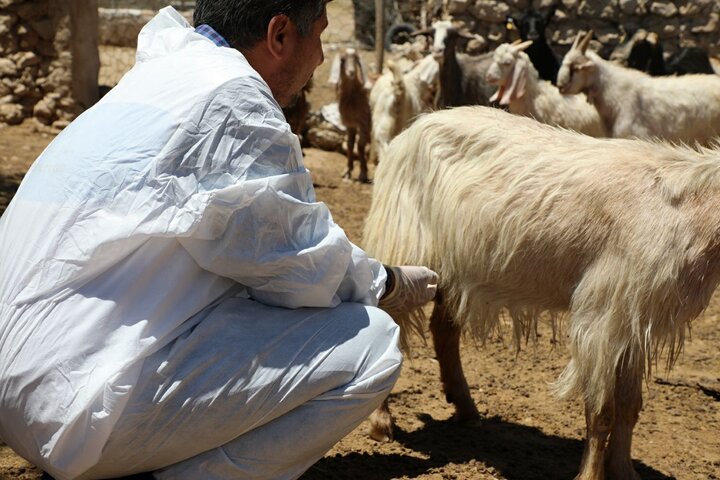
x,y
519,215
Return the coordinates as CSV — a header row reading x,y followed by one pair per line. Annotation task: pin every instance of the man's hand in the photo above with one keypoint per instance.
x,y
409,287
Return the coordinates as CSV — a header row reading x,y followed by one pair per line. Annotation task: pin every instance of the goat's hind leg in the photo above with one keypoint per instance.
x,y
351,132
362,143
446,339
381,423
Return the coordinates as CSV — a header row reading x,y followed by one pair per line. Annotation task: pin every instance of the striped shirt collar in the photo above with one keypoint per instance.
x,y
209,32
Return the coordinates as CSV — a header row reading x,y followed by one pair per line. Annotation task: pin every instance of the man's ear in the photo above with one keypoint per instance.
x,y
280,38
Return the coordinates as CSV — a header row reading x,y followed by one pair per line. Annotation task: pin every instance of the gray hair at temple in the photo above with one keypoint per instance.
x,y
243,23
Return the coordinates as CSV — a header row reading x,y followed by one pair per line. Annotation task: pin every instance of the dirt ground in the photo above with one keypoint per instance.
x,y
526,433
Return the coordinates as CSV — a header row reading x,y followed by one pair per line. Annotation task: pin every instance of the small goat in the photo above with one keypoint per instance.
x,y
524,93
524,218
634,104
397,98
531,25
349,75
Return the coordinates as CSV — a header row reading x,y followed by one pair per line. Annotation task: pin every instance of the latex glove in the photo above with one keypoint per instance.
x,y
409,287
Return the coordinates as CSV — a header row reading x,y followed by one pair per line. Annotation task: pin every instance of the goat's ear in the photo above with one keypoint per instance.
x,y
585,67
335,71
364,73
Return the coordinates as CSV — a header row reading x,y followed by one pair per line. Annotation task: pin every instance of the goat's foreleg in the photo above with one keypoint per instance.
x,y
598,430
446,339
351,132
628,402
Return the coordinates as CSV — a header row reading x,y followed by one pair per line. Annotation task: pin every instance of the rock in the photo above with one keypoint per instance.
x,y
457,6
323,134
11,114
664,9
490,11
45,28
44,110
7,68
26,59
61,124
710,26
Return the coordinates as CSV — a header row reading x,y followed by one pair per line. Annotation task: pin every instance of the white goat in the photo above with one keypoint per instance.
x,y
397,98
526,218
348,74
524,93
634,104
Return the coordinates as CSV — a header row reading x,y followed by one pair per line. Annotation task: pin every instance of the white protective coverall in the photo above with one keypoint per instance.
x,y
170,288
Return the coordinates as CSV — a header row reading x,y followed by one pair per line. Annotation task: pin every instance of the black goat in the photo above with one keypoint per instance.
x,y
462,76
531,26
689,60
646,54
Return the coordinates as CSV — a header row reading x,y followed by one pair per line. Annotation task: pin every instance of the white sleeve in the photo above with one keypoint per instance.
x,y
260,224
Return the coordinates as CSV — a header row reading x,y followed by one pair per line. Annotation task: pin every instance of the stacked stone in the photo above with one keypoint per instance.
x,y
35,63
678,23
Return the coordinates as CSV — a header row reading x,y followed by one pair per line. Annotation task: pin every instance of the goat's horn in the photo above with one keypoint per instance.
x,y
523,46
516,42
583,45
576,41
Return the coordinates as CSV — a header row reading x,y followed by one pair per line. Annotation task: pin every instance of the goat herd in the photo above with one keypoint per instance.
x,y
526,212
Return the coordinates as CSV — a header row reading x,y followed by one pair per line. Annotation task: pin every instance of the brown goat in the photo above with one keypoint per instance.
x,y
349,75
297,112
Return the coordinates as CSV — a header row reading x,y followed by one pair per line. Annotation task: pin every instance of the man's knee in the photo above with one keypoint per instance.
x,y
382,358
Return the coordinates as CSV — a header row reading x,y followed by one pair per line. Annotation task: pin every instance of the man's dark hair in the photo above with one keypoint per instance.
x,y
243,23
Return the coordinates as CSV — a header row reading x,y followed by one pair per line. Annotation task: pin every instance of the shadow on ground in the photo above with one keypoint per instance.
x,y
513,451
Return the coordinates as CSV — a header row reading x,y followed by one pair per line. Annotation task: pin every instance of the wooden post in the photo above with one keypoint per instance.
x,y
379,34
84,23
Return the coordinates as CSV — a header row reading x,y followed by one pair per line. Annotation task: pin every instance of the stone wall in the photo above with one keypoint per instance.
x,y
678,23
48,59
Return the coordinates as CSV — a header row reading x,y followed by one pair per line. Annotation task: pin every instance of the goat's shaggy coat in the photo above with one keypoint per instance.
x,y
524,218
634,104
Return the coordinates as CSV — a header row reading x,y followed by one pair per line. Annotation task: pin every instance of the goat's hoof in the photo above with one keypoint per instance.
x,y
621,471
468,419
365,180
381,427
